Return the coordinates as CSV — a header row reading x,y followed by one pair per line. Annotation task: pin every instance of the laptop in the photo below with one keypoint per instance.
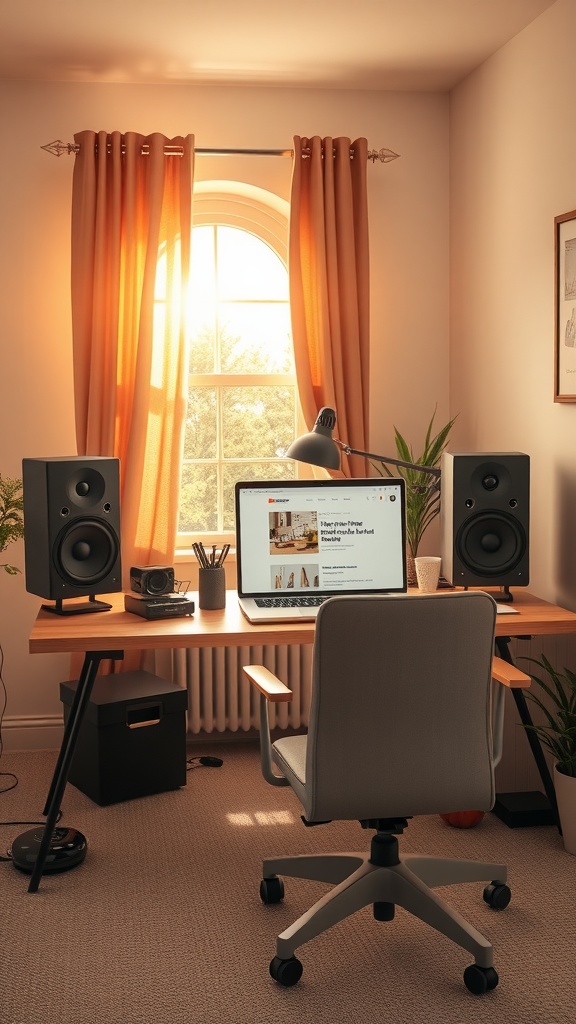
x,y
299,542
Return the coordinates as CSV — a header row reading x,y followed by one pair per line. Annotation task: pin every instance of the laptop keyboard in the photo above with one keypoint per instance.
x,y
289,602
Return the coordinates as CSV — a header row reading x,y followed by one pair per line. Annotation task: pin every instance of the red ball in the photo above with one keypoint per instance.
x,y
463,819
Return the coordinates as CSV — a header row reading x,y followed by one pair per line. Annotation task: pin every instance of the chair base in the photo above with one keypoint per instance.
x,y
406,882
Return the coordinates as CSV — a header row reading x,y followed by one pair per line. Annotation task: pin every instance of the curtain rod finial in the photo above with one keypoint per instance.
x,y
383,155
57,148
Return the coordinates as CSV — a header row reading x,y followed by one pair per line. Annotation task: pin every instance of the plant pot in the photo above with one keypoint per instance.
x,y
411,578
565,788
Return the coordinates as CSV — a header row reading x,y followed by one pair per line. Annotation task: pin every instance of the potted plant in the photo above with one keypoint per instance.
x,y
557,734
11,517
422,494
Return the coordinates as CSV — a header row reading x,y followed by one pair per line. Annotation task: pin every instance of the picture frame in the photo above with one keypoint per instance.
x,y
565,307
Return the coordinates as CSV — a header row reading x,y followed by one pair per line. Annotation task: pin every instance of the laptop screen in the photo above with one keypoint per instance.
x,y
321,536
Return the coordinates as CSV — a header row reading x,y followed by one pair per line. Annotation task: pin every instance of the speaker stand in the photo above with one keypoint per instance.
x,y
504,595
519,810
533,808
92,605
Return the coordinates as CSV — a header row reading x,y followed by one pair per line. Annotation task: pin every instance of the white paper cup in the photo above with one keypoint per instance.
x,y
427,572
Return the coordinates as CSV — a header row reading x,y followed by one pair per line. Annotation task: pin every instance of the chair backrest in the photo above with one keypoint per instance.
x,y
400,716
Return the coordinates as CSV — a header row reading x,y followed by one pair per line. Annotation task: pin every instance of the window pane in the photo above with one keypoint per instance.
x,y
255,338
200,436
202,264
251,471
201,314
248,268
238,322
202,344
199,499
257,421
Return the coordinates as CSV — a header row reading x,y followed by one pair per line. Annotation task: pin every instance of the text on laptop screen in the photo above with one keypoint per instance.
x,y
321,536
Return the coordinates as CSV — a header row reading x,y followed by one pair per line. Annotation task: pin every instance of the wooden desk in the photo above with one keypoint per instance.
x,y
119,629
228,627
109,634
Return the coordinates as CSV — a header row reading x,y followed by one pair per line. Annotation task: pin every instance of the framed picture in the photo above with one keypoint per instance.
x,y
565,307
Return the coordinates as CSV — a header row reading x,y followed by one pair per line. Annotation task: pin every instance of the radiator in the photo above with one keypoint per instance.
x,y
220,697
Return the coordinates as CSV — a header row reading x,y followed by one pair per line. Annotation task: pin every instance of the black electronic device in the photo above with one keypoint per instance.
x,y
67,849
485,518
152,580
167,607
72,530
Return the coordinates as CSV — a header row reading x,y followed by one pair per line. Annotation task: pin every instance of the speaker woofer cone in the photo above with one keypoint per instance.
x,y
85,552
491,543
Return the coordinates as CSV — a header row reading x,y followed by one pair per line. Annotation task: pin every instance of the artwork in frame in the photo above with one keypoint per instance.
x,y
565,307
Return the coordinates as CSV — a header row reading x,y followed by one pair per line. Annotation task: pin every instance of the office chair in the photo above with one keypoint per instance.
x,y
403,721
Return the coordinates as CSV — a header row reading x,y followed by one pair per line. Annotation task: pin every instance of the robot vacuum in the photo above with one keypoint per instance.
x,y
67,849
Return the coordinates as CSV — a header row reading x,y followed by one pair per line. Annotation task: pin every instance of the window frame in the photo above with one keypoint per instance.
x,y
265,215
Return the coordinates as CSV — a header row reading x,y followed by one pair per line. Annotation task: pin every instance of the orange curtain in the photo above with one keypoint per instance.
x,y
131,213
329,285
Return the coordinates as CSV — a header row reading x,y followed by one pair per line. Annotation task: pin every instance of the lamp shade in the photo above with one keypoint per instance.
x,y
318,447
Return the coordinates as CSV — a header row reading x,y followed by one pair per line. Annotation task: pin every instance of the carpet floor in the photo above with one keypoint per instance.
x,y
163,924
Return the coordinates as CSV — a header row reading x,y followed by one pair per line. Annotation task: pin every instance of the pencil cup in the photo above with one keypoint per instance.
x,y
427,572
212,588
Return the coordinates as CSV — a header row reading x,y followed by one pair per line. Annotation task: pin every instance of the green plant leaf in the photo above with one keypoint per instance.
x,y
11,509
422,496
558,734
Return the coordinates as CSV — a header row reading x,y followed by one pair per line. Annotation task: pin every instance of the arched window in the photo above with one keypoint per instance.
x,y
242,410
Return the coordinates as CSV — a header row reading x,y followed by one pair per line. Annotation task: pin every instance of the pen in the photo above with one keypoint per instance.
x,y
200,554
222,555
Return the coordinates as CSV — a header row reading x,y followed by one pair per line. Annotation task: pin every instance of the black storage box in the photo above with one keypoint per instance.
x,y
132,741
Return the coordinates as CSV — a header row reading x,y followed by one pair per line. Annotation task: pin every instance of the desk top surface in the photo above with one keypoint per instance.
x,y
120,630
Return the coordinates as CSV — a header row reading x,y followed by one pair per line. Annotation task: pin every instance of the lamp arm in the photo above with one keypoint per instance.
x,y
432,470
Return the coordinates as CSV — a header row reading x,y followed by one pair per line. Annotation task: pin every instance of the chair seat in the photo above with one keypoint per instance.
x,y
289,755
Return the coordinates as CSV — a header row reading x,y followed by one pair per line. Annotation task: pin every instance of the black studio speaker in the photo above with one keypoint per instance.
x,y
485,519
72,529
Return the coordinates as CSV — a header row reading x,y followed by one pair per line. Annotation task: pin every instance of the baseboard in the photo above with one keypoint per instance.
x,y
33,732
37,732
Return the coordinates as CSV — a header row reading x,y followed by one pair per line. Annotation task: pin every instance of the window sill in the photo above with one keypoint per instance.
x,y
185,556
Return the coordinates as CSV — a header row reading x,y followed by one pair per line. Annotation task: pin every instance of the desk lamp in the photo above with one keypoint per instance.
x,y
321,449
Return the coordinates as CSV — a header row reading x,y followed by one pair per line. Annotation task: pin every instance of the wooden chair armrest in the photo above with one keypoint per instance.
x,y
507,674
268,684
271,690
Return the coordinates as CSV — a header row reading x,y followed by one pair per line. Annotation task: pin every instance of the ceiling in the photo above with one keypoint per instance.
x,y
411,45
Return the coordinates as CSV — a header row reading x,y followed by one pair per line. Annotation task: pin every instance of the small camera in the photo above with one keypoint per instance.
x,y
152,580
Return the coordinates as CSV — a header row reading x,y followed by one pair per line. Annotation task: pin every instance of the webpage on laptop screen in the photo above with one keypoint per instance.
x,y
341,536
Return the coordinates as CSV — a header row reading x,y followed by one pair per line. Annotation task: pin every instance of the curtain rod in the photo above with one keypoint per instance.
x,y
58,148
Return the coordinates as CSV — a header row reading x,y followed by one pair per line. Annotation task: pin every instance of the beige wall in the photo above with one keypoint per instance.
x,y
481,177
409,249
513,169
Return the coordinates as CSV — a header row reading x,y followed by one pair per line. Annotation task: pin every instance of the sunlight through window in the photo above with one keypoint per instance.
x,y
242,820
242,400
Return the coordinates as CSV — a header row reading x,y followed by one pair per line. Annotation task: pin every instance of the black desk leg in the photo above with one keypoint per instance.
x,y
516,809
88,674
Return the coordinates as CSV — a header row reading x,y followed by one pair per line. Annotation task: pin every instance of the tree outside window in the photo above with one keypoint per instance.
x,y
242,395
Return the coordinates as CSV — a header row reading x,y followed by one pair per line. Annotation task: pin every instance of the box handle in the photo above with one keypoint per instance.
x,y
138,716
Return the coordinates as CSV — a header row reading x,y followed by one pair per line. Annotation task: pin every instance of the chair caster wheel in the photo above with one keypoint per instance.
x,y
497,895
272,890
479,980
286,972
